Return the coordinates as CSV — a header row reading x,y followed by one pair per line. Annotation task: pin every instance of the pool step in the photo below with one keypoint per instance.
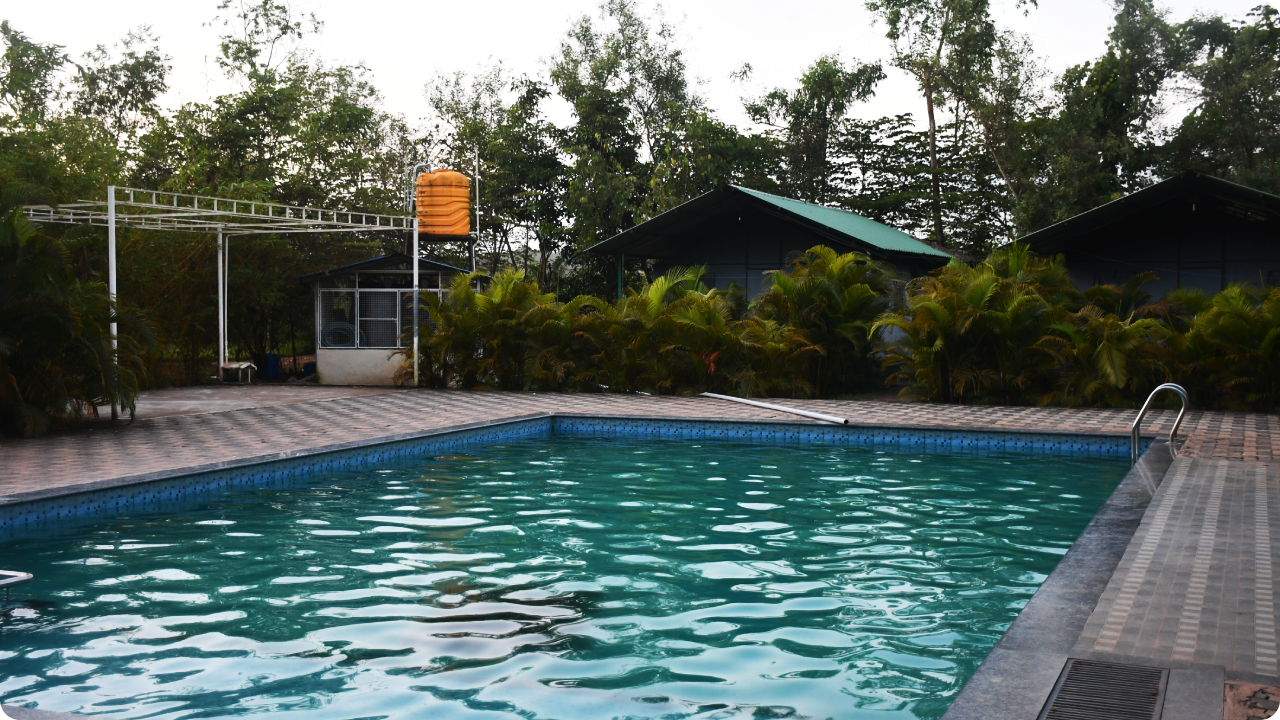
x,y
20,713
9,578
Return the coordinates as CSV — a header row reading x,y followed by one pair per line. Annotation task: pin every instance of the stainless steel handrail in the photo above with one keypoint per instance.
x,y
1134,431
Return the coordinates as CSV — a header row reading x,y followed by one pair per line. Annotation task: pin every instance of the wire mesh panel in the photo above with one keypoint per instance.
x,y
338,319
379,318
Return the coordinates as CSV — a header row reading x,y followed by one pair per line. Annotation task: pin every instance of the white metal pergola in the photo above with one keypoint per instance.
x,y
225,218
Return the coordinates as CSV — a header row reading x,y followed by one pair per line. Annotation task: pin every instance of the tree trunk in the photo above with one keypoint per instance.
x,y
936,186
991,148
543,259
511,253
946,380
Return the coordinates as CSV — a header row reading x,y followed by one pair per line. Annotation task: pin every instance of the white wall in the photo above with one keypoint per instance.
x,y
357,366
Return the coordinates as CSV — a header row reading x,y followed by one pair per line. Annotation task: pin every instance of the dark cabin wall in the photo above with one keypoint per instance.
x,y
740,249
1215,244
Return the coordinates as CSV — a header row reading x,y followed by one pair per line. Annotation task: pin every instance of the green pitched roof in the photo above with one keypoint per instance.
x,y
658,235
852,224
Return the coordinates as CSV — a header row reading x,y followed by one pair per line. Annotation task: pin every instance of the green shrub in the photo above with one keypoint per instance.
x,y
56,359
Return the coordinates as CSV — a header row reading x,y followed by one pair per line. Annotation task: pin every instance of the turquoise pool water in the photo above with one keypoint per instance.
x,y
558,578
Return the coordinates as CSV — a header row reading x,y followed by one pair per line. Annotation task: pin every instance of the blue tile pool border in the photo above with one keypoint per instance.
x,y
22,516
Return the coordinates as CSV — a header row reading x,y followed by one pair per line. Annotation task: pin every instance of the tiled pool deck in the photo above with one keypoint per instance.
x,y
1174,573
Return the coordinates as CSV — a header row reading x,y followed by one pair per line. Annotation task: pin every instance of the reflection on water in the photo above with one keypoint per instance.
x,y
562,578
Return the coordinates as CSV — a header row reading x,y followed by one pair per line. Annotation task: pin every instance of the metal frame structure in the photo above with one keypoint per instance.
x,y
225,218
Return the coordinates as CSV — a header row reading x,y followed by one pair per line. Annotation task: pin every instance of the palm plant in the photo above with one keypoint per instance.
x,y
833,299
707,341
1011,329
967,331
503,312
57,364
1233,349
776,360
638,347
1125,299
1103,361
561,338
449,339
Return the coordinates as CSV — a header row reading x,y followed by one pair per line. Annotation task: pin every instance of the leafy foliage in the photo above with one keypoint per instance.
x,y
810,116
1000,148
671,335
1010,330
57,364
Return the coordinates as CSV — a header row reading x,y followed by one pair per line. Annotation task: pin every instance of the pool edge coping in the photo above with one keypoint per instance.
x,y
9,501
1056,577
1015,678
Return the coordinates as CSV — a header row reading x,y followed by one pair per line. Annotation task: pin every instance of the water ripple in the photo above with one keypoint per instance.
x,y
565,578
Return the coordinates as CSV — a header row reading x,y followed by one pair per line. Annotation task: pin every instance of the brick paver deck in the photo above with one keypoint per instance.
x,y
168,444
1198,583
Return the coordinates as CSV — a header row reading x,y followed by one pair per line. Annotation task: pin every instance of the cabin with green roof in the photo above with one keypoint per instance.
x,y
741,234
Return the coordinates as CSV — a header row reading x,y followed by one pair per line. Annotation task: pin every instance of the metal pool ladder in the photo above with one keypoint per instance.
x,y
9,578
1136,440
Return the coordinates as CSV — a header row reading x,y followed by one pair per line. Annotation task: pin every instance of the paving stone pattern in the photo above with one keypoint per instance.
x,y
167,444
1198,581
1197,584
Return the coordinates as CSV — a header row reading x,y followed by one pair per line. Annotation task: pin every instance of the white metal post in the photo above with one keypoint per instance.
x,y
477,238
226,296
415,300
222,319
111,281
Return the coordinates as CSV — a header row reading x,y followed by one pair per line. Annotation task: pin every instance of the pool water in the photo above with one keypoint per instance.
x,y
555,578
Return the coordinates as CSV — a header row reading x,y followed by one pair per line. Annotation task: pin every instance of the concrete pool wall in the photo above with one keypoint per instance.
x,y
113,470
34,512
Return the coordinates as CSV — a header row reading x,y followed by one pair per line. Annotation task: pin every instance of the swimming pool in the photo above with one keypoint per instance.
x,y
562,577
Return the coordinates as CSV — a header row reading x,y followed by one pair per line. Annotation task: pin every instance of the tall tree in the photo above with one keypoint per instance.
x,y
1101,142
260,37
928,37
994,76
63,156
703,153
1234,129
28,74
468,109
523,188
122,93
298,132
808,117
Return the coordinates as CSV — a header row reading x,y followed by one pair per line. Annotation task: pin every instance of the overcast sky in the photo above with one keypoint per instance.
x,y
406,43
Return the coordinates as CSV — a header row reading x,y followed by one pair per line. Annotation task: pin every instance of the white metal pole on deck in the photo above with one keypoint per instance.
x,y
477,238
222,319
226,296
111,280
415,300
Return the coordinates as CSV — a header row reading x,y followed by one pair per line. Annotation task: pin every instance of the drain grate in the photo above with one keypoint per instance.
x,y
1090,690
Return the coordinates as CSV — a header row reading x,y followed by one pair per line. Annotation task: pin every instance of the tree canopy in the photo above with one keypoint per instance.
x,y
999,148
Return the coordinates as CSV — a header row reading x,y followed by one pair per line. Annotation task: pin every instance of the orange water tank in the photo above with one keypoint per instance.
x,y
444,203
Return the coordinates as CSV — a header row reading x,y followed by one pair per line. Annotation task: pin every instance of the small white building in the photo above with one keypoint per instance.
x,y
364,316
